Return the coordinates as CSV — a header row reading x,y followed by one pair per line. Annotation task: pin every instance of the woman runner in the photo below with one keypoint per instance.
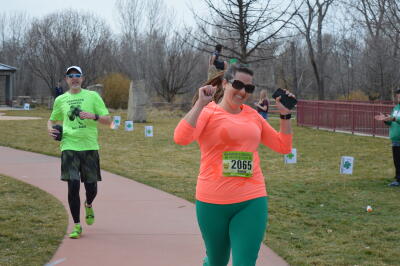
x,y
231,199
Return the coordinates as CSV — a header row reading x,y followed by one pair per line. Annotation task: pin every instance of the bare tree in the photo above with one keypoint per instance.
x,y
131,15
378,53
151,49
312,22
174,67
393,15
347,69
140,23
13,28
68,38
243,26
293,64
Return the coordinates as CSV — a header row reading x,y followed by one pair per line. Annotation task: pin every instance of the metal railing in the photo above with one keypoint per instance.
x,y
351,117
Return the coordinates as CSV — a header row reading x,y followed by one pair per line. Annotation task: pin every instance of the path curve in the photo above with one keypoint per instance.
x,y
135,224
9,117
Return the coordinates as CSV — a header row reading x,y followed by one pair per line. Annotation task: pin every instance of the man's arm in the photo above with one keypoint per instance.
x,y
103,119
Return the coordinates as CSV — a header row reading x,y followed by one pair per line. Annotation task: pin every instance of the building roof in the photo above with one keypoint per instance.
x,y
4,67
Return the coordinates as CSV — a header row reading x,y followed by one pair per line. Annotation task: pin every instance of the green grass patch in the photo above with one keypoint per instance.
x,y
316,215
30,233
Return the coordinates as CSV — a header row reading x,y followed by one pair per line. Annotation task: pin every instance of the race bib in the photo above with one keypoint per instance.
x,y
237,163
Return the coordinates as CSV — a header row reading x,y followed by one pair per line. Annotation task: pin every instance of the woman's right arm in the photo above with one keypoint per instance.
x,y
185,131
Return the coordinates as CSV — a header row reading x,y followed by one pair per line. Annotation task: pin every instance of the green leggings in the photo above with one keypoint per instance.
x,y
239,226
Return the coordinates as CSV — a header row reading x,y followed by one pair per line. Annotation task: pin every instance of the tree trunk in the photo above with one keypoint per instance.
x,y
320,56
294,68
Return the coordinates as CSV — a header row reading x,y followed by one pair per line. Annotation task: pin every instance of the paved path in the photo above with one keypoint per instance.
x,y
5,117
135,224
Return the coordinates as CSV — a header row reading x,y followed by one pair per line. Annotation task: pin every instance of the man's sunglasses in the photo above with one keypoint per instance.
x,y
74,75
237,84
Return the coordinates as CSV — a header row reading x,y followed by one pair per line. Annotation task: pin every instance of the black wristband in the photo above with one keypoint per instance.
x,y
286,117
96,117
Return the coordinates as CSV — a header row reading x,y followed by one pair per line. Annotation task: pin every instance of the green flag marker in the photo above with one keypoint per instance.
x,y
346,165
291,157
128,125
117,120
148,131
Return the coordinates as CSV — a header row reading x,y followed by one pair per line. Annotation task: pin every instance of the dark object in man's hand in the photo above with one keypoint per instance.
x,y
287,101
76,112
58,135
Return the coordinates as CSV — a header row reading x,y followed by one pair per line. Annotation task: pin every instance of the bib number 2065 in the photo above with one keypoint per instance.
x,y
236,163
241,165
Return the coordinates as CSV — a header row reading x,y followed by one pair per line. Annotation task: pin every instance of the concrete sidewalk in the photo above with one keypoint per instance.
x,y
135,224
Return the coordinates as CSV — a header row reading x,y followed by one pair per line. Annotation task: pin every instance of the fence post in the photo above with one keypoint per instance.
x,y
298,113
373,121
317,114
352,116
334,117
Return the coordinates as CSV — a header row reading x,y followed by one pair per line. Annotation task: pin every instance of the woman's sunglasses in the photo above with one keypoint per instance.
x,y
237,84
74,75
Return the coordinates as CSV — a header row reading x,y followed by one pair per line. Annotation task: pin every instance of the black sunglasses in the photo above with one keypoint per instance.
x,y
237,84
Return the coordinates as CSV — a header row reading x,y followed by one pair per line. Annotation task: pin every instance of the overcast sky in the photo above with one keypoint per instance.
x,y
103,8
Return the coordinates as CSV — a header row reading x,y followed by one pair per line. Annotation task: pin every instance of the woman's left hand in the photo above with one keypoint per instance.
x,y
282,109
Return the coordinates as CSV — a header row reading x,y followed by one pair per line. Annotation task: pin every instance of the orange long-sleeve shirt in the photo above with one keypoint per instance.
x,y
218,131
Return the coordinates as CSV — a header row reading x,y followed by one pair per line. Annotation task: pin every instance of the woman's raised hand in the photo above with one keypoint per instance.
x,y
206,94
282,109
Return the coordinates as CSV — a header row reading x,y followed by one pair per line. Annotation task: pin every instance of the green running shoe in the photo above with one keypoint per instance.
x,y
76,233
89,215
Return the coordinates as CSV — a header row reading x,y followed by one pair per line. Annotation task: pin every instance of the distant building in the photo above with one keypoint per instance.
x,y
7,81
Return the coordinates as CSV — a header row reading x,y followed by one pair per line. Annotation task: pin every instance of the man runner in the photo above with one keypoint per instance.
x,y
79,111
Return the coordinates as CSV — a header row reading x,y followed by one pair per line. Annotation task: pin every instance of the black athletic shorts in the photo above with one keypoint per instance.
x,y
80,165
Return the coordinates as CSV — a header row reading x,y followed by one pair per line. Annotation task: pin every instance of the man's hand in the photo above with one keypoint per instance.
x,y
53,132
382,117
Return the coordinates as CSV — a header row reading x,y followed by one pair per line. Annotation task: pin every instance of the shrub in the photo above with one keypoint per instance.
x,y
356,95
116,90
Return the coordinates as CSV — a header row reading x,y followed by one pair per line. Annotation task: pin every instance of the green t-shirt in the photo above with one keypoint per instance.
x,y
394,130
78,134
